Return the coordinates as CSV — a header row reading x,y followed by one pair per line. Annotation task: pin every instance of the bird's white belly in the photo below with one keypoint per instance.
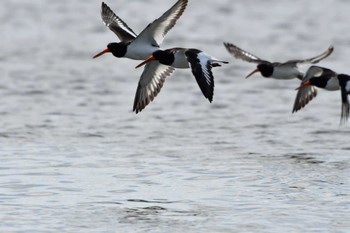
x,y
285,73
140,52
180,61
347,87
333,84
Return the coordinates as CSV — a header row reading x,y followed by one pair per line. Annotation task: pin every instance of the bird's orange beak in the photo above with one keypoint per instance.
x,y
254,71
101,53
304,84
151,58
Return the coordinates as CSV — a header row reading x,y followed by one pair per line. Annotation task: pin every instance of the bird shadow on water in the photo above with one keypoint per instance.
x,y
304,158
147,214
149,211
154,209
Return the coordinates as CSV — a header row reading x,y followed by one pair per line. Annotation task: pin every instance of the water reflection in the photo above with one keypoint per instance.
x,y
304,158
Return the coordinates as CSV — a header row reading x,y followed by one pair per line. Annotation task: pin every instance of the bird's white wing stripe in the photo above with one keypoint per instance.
x,y
116,24
347,87
242,54
150,84
303,97
155,32
315,59
203,61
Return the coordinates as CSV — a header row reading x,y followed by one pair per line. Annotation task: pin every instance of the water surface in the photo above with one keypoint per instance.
x,y
75,158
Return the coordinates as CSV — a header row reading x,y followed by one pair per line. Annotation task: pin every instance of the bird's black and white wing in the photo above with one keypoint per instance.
x,y
304,96
201,69
345,109
315,59
116,24
150,84
344,82
242,54
155,32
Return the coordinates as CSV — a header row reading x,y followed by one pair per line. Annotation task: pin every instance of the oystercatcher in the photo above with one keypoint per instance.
x,y
162,63
281,70
139,47
329,80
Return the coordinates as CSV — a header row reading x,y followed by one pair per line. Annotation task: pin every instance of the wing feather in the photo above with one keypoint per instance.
x,y
150,84
116,24
243,55
304,96
155,32
344,82
315,59
201,67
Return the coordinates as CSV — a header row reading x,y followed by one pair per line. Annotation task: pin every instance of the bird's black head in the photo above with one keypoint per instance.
x,y
318,82
165,57
266,70
117,49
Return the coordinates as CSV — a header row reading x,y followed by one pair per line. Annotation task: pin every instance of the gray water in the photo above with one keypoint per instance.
x,y
75,158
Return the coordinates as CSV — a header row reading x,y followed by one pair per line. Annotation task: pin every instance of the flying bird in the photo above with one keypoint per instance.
x,y
329,80
151,81
139,47
281,70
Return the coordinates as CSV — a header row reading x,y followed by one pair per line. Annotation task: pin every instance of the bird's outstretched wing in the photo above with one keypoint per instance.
x,y
116,24
315,59
242,54
155,32
201,65
344,82
150,84
303,97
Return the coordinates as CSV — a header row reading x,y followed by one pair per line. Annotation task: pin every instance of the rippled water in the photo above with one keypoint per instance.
x,y
74,158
